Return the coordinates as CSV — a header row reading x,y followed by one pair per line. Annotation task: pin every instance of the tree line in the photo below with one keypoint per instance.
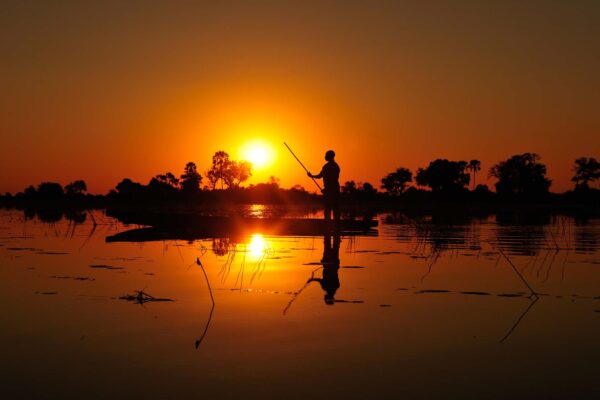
x,y
520,176
221,182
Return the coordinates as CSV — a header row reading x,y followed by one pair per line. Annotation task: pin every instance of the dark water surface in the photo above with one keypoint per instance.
x,y
425,309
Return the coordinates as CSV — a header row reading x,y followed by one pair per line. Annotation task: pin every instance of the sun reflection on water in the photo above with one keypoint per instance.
x,y
257,210
257,246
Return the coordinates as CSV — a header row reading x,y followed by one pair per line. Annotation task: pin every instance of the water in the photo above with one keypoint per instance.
x,y
425,309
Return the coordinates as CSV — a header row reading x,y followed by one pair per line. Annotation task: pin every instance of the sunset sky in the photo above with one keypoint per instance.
x,y
103,91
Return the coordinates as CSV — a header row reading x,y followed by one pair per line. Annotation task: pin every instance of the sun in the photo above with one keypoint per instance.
x,y
258,152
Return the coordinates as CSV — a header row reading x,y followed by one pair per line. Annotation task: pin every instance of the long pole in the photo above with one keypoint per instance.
x,y
297,159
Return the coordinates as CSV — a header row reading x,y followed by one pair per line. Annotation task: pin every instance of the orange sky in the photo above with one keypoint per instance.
x,y
105,91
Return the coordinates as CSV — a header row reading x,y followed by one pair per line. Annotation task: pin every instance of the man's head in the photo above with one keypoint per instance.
x,y
330,155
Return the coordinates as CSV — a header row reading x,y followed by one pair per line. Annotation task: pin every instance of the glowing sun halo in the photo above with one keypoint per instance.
x,y
259,153
257,246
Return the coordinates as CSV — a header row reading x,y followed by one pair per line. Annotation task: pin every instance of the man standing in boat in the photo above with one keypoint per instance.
x,y
330,173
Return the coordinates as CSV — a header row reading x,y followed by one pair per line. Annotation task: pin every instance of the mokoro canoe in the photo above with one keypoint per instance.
x,y
188,226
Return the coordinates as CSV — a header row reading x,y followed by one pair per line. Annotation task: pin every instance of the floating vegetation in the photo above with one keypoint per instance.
x,y
33,249
432,291
118,258
353,266
51,253
385,305
250,290
46,293
349,301
76,278
102,266
141,297
476,293
489,253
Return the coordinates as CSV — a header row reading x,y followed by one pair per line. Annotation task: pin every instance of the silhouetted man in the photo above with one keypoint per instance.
x,y
330,173
330,282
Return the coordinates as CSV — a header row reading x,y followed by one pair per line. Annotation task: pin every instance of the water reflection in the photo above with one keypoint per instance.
x,y
330,265
586,237
222,246
53,284
257,247
199,340
255,250
532,301
518,234
53,215
330,281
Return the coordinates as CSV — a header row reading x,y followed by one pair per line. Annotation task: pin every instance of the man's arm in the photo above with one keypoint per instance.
x,y
318,176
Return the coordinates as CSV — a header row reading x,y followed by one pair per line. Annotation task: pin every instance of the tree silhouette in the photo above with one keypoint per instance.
x,y
358,191
30,192
129,189
521,175
163,186
190,179
169,179
49,191
243,171
586,170
396,182
444,176
231,173
368,189
218,172
474,166
349,188
236,173
274,181
76,188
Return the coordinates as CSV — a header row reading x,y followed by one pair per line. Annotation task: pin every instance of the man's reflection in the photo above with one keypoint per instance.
x,y
330,282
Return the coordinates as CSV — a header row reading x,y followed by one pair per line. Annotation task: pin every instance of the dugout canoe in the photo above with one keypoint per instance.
x,y
189,226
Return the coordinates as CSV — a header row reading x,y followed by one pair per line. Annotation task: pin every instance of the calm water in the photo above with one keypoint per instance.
x,y
424,309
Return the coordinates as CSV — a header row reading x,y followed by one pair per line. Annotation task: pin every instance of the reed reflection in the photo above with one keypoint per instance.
x,y
254,249
531,234
586,237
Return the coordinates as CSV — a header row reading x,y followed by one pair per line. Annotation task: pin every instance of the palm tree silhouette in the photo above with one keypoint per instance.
x,y
474,167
